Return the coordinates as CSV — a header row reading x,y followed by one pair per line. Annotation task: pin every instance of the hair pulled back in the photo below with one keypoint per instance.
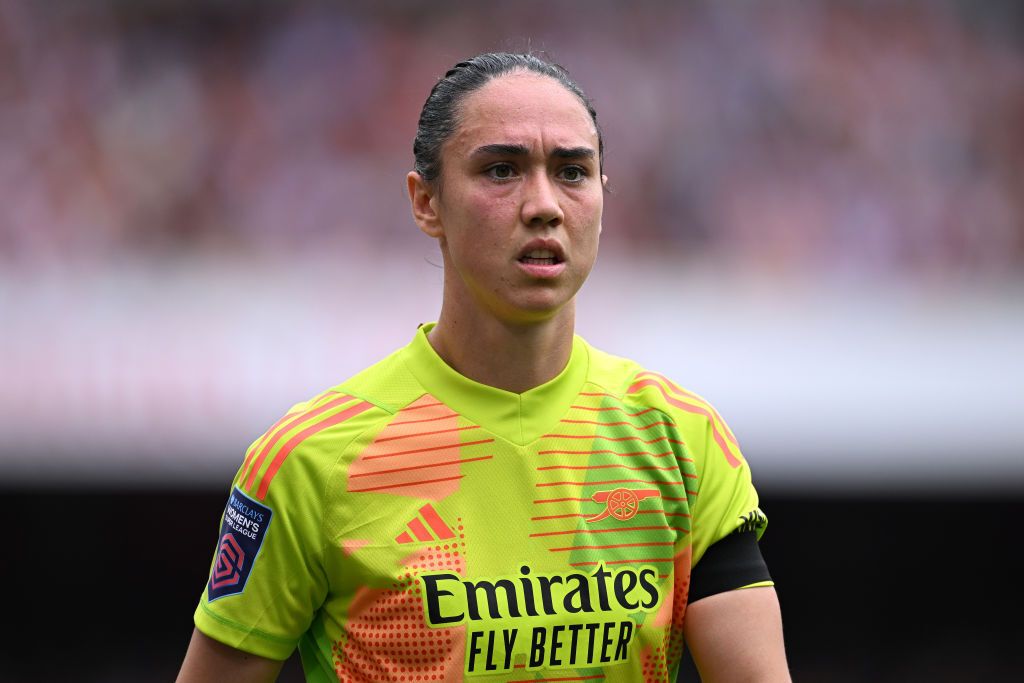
x,y
440,115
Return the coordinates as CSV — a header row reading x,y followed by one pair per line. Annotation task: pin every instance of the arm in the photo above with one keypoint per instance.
x,y
210,660
736,636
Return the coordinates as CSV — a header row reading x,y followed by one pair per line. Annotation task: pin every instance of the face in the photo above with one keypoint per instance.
x,y
518,209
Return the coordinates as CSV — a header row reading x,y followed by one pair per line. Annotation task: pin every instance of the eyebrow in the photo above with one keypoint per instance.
x,y
501,149
505,149
573,152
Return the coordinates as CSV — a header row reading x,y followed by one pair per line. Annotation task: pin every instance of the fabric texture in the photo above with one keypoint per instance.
x,y
412,524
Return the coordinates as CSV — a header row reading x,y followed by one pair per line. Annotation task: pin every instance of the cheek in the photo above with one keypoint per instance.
x,y
483,221
587,219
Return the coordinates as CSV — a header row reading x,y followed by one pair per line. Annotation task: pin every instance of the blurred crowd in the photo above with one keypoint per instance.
x,y
871,137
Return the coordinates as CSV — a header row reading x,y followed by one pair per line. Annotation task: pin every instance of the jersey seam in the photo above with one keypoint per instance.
x,y
334,473
247,630
390,410
624,397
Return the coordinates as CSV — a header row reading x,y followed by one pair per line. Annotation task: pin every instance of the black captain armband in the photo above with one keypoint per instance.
x,y
733,562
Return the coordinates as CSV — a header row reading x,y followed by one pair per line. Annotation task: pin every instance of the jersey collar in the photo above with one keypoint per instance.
x,y
519,418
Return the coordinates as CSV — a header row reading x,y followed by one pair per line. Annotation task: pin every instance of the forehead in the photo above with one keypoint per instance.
x,y
523,108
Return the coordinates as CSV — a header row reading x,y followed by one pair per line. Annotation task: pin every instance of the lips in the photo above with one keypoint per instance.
x,y
542,259
542,252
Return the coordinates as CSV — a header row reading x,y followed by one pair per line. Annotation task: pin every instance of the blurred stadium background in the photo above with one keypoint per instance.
x,y
816,221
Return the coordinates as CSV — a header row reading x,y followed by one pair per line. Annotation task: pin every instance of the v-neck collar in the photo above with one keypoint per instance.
x,y
519,418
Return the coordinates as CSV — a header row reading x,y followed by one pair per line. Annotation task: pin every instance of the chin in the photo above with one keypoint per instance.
x,y
535,310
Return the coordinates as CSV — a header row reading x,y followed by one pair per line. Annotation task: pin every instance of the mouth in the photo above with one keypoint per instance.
x,y
540,257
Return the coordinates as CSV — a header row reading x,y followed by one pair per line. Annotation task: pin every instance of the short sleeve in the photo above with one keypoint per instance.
x,y
267,579
726,500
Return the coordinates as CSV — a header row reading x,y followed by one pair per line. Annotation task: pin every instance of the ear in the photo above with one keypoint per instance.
x,y
423,198
604,188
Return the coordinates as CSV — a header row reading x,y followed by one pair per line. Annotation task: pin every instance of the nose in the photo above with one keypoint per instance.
x,y
540,207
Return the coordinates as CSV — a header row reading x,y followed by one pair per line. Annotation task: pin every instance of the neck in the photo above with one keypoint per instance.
x,y
510,356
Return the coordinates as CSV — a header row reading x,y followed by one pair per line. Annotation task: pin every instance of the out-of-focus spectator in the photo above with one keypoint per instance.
x,y
853,137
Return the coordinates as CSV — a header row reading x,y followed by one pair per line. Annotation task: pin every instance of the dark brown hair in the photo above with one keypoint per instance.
x,y
439,117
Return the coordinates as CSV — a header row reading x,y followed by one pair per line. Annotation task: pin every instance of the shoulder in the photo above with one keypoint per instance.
x,y
613,374
380,390
628,379
312,436
387,384
634,384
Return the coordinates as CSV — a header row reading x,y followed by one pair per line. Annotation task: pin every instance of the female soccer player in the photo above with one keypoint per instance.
x,y
498,498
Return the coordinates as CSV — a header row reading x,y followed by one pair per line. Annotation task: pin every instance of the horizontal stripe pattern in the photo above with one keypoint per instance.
x,y
646,468
622,409
622,445
600,437
584,515
420,484
633,425
621,454
612,546
630,560
692,404
419,453
609,482
612,530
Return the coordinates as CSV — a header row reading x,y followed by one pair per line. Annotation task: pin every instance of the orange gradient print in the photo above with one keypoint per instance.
x,y
418,454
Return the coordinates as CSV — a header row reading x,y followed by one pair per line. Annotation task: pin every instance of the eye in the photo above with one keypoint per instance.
x,y
573,174
501,171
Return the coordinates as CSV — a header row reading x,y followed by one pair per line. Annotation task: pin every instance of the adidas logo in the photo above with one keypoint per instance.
x,y
427,526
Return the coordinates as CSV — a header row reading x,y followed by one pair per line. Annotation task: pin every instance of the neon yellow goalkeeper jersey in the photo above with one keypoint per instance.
x,y
411,524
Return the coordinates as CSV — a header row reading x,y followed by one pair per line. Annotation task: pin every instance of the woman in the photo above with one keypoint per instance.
x,y
497,498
